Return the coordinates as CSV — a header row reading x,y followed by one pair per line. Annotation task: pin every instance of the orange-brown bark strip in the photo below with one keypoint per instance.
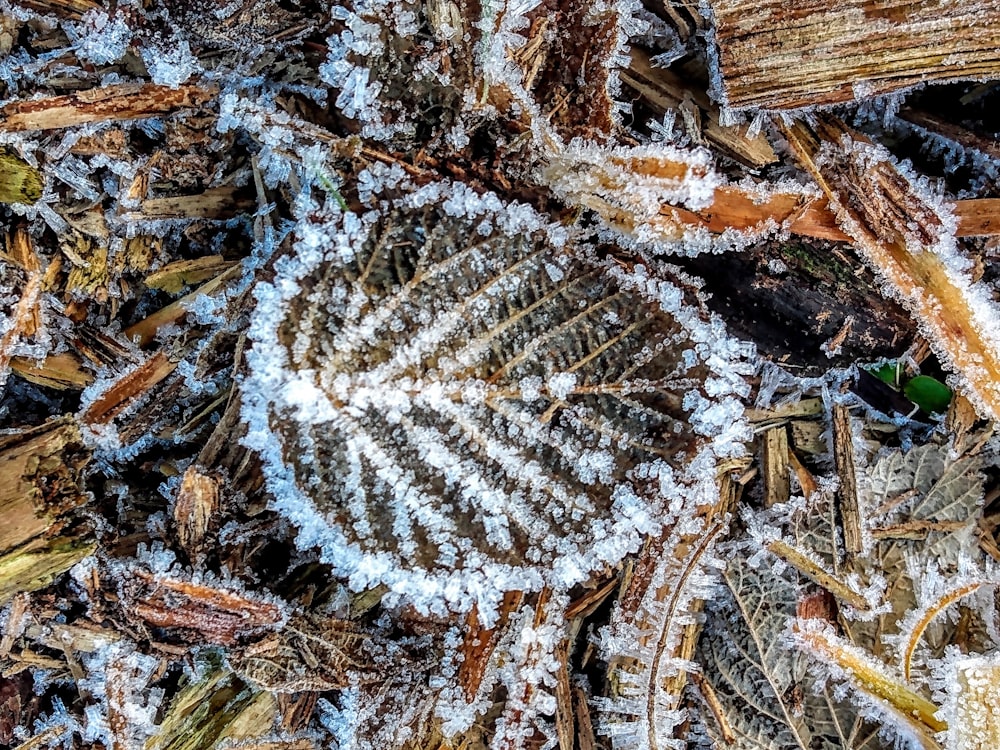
x,y
220,616
778,55
479,643
123,101
134,384
736,209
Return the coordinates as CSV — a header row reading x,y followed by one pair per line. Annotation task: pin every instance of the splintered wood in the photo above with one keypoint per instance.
x,y
207,613
897,229
777,55
40,472
664,90
197,502
40,487
847,494
775,464
735,208
124,101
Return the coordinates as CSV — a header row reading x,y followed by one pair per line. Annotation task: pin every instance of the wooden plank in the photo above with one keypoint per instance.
x,y
41,484
778,55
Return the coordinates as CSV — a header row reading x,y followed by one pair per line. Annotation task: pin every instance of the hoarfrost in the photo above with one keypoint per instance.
x,y
488,446
99,38
171,64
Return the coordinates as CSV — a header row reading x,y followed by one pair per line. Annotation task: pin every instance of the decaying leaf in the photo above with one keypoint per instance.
x,y
308,653
527,433
763,686
19,181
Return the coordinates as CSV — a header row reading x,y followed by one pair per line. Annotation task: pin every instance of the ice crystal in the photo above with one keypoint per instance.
x,y
643,646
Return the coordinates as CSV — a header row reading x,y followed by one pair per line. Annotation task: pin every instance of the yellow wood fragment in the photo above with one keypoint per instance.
x,y
865,673
63,372
173,277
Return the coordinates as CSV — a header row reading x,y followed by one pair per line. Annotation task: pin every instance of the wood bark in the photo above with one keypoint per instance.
x,y
779,55
123,101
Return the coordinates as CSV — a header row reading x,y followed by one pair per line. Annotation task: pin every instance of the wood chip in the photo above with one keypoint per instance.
x,y
197,504
775,55
173,277
218,203
40,478
735,208
121,101
847,493
106,406
585,738
807,482
715,706
62,372
214,614
774,463
818,575
564,698
144,332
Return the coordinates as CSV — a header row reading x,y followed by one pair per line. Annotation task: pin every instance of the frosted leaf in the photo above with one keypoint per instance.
x,y
309,653
577,86
762,683
925,485
385,397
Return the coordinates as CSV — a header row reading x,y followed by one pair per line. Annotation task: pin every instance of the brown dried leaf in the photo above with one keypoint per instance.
x,y
308,654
